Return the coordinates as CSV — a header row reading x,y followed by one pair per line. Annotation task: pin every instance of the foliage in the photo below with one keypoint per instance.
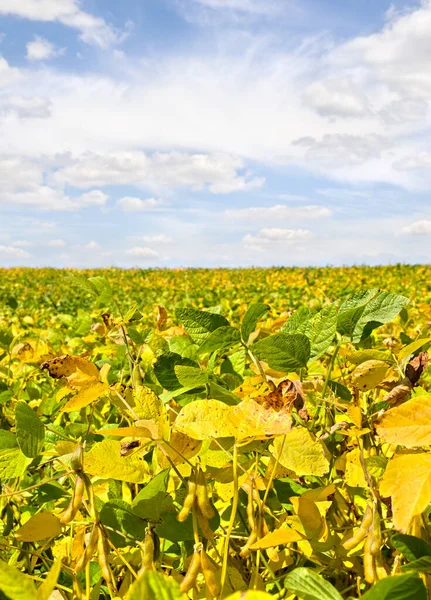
x,y
227,434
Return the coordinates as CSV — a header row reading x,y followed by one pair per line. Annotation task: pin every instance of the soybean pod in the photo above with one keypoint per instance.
x,y
202,498
192,573
189,499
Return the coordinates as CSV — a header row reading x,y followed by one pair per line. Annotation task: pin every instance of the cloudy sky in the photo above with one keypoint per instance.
x,y
214,132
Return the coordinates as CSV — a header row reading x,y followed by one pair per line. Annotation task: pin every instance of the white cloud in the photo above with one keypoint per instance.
x,y
422,227
56,243
93,198
218,172
26,107
337,98
142,253
259,7
419,160
11,252
342,148
133,204
36,224
22,244
270,237
157,239
279,212
93,30
93,246
41,49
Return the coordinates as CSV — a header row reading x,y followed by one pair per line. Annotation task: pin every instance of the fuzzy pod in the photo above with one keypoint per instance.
x,y
206,530
209,572
103,554
369,562
189,499
251,517
192,573
252,538
89,551
361,533
77,459
202,496
75,502
148,557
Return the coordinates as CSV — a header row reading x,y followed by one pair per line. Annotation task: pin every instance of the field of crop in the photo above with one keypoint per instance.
x,y
243,434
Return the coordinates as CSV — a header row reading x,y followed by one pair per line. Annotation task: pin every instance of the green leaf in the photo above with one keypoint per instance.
x,y
14,584
411,546
217,392
300,321
421,565
102,288
191,377
379,310
30,432
137,337
340,390
199,324
351,311
7,439
153,585
164,369
254,313
308,585
284,352
323,330
13,463
149,502
220,339
119,515
398,587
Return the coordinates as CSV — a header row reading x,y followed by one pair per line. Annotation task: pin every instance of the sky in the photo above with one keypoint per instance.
x,y
214,133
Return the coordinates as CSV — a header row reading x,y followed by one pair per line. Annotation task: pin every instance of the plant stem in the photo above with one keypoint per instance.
x,y
231,520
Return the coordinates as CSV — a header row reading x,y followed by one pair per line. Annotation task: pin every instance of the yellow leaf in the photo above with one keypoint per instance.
x,y
104,460
320,494
301,453
407,480
250,595
147,405
354,474
281,536
87,394
411,348
205,419
355,415
136,432
181,448
78,371
43,525
45,590
408,425
369,374
309,516
252,420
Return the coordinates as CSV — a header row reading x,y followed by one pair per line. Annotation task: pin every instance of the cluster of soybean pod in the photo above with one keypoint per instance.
x,y
197,502
97,537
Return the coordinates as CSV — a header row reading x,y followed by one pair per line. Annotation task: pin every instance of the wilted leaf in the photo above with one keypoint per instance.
x,y
39,527
407,480
301,453
78,371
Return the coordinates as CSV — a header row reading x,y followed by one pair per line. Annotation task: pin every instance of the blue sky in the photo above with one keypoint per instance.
x,y
214,132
